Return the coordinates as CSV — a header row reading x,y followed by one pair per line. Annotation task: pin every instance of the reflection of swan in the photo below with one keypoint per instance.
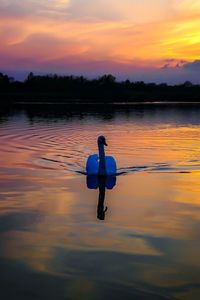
x,y
93,182
101,164
103,183
100,207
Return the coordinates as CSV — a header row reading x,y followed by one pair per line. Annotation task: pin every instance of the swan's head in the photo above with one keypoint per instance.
x,y
102,140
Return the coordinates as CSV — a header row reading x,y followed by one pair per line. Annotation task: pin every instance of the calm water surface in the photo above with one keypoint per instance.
x,y
58,240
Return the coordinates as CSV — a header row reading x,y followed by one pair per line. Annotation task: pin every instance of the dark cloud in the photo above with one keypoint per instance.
x,y
193,66
166,66
173,63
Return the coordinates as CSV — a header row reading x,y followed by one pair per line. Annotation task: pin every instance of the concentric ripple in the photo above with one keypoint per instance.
x,y
64,144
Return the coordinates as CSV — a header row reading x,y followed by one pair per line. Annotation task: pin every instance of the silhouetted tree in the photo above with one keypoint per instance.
x,y
102,89
107,79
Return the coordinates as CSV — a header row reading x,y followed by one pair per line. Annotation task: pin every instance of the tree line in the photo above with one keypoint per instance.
x,y
106,88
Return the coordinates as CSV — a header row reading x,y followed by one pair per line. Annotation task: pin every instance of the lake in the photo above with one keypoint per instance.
x,y
66,236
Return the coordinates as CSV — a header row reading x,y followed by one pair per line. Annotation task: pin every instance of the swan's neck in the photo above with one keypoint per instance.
x,y
102,161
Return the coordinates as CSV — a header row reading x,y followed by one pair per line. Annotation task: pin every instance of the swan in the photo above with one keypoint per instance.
x,y
101,164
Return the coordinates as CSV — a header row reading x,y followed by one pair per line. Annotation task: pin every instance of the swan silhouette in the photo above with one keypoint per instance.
x,y
101,164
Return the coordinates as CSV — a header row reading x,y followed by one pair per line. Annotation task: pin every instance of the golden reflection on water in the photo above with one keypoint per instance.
x,y
152,221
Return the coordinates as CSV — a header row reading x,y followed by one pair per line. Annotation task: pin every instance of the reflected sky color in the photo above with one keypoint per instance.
x,y
149,240
150,39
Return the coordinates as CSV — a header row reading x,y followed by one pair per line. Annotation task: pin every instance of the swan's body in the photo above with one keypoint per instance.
x,y
101,164
92,166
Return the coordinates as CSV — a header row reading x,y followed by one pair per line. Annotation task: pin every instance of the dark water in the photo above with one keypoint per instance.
x,y
58,239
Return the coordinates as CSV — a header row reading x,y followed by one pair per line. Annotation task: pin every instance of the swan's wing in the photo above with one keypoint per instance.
x,y
111,166
92,164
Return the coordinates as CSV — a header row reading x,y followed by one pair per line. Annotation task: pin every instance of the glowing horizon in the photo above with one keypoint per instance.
x,y
150,40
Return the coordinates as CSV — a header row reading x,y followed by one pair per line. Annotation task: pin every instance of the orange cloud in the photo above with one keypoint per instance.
x,y
131,35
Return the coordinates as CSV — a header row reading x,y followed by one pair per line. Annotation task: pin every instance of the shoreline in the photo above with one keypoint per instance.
x,y
75,103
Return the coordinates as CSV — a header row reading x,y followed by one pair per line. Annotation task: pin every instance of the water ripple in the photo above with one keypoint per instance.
x,y
136,147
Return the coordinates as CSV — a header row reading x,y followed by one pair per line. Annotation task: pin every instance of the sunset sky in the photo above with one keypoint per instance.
x,y
150,40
